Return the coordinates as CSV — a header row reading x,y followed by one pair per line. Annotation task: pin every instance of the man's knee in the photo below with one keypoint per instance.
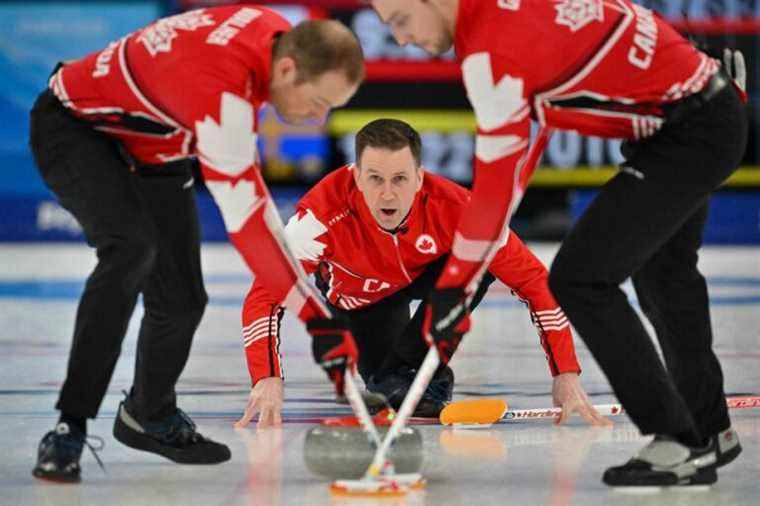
x,y
669,268
193,315
644,281
560,280
184,319
132,254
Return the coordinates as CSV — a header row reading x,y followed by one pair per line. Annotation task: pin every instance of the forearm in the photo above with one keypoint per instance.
x,y
521,271
481,227
256,231
261,341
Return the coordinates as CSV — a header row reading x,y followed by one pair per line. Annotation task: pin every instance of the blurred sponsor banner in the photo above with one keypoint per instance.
x,y
34,36
448,146
402,82
387,61
41,218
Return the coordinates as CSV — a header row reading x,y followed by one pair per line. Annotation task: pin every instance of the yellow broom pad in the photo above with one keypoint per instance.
x,y
474,411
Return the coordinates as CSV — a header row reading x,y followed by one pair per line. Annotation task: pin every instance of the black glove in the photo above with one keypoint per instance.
x,y
333,348
447,320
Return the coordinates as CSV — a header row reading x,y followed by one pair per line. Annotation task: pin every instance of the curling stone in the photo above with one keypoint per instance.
x,y
345,452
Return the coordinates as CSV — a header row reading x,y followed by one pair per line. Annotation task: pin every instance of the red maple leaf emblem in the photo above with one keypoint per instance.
x,y
426,244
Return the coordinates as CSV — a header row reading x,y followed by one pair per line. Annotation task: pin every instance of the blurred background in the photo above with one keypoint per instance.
x,y
401,82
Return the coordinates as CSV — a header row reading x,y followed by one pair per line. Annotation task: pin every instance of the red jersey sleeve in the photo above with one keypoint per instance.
x,y
219,102
262,314
498,95
518,268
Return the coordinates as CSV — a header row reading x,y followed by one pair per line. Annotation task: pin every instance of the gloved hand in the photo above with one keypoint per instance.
x,y
333,348
447,320
733,63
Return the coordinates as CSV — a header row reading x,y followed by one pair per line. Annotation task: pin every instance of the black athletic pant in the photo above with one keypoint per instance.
x,y
387,336
647,223
143,223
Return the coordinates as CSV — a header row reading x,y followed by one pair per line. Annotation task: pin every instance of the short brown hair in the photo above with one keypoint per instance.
x,y
391,134
319,46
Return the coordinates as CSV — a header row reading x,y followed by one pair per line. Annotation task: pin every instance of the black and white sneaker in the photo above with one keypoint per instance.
x,y
665,462
174,437
727,446
437,395
395,386
59,452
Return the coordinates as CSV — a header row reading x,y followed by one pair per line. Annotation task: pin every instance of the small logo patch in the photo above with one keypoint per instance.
x,y
575,14
426,245
510,5
158,37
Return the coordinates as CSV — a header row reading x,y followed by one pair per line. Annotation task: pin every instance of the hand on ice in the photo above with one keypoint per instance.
x,y
266,399
569,395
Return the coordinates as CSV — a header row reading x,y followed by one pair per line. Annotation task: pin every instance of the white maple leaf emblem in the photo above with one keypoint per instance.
x,y
575,14
236,202
228,147
302,232
495,103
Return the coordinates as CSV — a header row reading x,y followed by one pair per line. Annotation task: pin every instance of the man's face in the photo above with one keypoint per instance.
x,y
389,180
301,102
418,22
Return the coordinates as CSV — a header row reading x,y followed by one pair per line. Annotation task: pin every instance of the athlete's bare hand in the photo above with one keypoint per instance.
x,y
266,399
569,395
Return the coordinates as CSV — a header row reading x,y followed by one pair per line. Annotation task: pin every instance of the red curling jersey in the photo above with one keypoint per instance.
x,y
162,89
190,85
334,231
599,67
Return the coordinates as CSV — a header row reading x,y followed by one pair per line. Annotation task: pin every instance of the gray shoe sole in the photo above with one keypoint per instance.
x,y
207,452
728,447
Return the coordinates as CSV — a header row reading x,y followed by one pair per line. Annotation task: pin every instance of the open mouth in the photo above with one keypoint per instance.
x,y
387,212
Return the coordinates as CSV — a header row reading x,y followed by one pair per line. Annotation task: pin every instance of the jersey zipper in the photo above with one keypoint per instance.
x,y
400,261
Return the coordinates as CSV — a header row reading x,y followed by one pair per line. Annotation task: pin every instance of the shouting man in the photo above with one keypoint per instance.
x,y
376,236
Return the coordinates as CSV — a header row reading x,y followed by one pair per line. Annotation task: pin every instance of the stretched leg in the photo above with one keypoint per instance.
x,y
375,329
666,181
410,347
174,296
85,171
673,295
610,242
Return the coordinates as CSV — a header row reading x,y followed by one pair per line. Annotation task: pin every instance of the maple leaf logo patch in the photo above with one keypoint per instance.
x,y
575,14
158,37
426,245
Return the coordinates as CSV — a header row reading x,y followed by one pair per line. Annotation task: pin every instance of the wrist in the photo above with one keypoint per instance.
x,y
266,379
564,372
